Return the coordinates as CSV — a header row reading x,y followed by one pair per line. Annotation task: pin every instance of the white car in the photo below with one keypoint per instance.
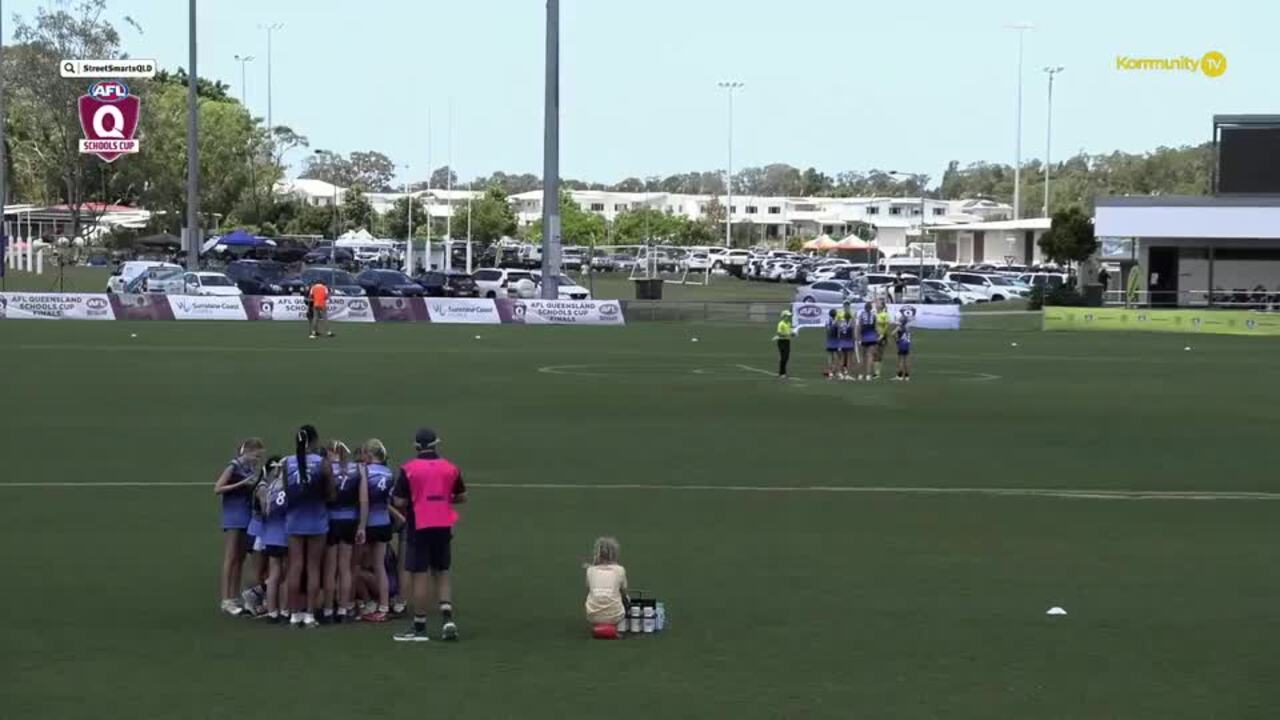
x,y
696,262
782,271
1043,279
1011,286
567,289
737,258
992,287
209,284
130,271
502,282
955,291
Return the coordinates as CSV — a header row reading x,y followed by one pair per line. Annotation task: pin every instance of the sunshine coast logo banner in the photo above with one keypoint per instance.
x,y
1212,64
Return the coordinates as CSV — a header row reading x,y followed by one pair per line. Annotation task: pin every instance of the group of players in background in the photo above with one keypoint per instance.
x,y
861,337
321,522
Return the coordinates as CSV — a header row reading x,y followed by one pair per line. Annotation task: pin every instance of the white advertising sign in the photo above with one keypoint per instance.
x,y
568,312
349,309
54,306
199,307
463,311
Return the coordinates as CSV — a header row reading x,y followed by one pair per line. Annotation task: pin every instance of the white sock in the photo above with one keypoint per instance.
x,y
342,612
328,612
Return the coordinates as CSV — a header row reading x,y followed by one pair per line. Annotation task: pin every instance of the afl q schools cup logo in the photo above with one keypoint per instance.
x,y
109,118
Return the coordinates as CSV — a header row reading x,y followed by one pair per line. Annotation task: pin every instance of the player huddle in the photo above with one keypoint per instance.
x,y
861,338
321,523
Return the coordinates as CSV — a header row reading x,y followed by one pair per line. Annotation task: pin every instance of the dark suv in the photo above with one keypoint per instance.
x,y
339,282
451,284
388,283
257,277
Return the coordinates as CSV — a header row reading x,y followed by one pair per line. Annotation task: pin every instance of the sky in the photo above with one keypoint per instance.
x,y
833,84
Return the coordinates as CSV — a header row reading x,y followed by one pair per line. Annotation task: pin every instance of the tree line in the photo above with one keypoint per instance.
x,y
241,162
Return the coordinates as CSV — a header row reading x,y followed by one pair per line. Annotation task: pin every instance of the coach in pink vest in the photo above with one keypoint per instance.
x,y
427,489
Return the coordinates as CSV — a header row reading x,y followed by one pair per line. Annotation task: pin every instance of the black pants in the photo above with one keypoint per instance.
x,y
784,355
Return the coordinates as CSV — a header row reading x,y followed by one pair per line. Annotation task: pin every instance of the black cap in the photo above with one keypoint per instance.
x,y
425,438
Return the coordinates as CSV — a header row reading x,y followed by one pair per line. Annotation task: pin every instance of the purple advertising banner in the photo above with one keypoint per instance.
x,y
141,307
399,309
268,307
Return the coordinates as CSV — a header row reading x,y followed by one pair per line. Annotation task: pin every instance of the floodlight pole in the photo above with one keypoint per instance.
x,y
4,195
551,158
193,150
1022,29
730,87
1048,143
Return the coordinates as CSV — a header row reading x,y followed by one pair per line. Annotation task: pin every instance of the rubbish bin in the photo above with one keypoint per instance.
x,y
649,289
1093,295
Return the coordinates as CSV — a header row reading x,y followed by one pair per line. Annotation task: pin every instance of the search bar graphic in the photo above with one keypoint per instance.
x,y
130,68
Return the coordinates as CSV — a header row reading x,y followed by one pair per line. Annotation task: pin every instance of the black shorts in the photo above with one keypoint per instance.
x,y
429,550
379,534
343,532
275,551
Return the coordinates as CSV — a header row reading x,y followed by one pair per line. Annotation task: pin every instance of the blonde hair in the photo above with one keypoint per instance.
x,y
340,449
250,445
605,552
374,449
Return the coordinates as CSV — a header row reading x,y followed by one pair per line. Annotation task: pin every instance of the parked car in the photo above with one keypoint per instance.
x,y
388,283
1042,279
501,282
213,284
784,271
983,285
696,262
339,282
257,277
437,283
602,261
567,288
827,291
573,258
129,271
955,291
330,256
1011,287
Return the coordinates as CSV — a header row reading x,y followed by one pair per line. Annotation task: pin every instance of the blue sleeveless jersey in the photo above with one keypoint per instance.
x,y
273,520
868,322
236,504
380,481
306,513
904,336
346,505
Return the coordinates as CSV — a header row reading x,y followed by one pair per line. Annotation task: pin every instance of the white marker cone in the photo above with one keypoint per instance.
x,y
1056,611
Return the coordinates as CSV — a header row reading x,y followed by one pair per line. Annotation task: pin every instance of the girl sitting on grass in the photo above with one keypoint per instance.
x,y
606,604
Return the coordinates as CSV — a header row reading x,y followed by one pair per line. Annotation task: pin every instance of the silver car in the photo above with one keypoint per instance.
x,y
832,292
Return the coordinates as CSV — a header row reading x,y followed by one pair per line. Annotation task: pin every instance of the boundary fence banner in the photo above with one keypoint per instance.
x,y
473,311
1214,322
927,317
463,311
561,312
55,306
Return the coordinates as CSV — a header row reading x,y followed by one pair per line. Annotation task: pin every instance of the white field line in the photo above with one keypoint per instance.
x,y
1076,494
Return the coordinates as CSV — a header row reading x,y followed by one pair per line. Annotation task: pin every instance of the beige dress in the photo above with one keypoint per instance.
x,y
605,585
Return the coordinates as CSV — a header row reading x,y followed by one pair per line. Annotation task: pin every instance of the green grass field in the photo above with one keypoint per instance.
x,y
825,550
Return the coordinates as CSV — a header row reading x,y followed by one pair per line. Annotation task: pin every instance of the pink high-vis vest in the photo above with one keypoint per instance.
x,y
431,484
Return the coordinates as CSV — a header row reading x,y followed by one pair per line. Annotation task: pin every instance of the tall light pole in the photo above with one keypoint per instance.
x,y
408,201
1048,142
730,87
551,158
270,28
448,197
193,150
923,211
4,195
244,60
1021,28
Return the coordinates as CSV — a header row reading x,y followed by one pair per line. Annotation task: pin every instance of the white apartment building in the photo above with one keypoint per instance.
x,y
897,220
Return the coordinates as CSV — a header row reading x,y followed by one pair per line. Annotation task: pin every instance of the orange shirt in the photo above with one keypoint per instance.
x,y
319,296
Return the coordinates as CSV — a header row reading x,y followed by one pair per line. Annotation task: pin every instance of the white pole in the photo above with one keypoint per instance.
x,y
448,218
426,246
408,202
1048,143
730,87
31,253
40,262
469,190
1022,29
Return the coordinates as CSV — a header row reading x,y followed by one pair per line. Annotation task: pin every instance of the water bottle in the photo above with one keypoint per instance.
x,y
649,619
662,616
622,625
635,618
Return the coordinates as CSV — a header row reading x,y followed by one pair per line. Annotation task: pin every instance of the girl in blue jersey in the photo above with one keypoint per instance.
x,y
869,338
235,487
254,596
345,531
308,487
844,339
273,502
833,345
903,335
377,480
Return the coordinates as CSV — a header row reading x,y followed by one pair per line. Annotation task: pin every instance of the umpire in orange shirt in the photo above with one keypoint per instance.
x,y
318,309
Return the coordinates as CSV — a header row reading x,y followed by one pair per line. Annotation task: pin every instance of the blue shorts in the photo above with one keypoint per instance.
x,y
904,348
308,521
833,347
235,518
255,526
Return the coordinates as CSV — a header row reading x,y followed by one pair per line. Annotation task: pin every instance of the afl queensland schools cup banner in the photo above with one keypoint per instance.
x,y
1215,322
561,312
927,317
54,306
